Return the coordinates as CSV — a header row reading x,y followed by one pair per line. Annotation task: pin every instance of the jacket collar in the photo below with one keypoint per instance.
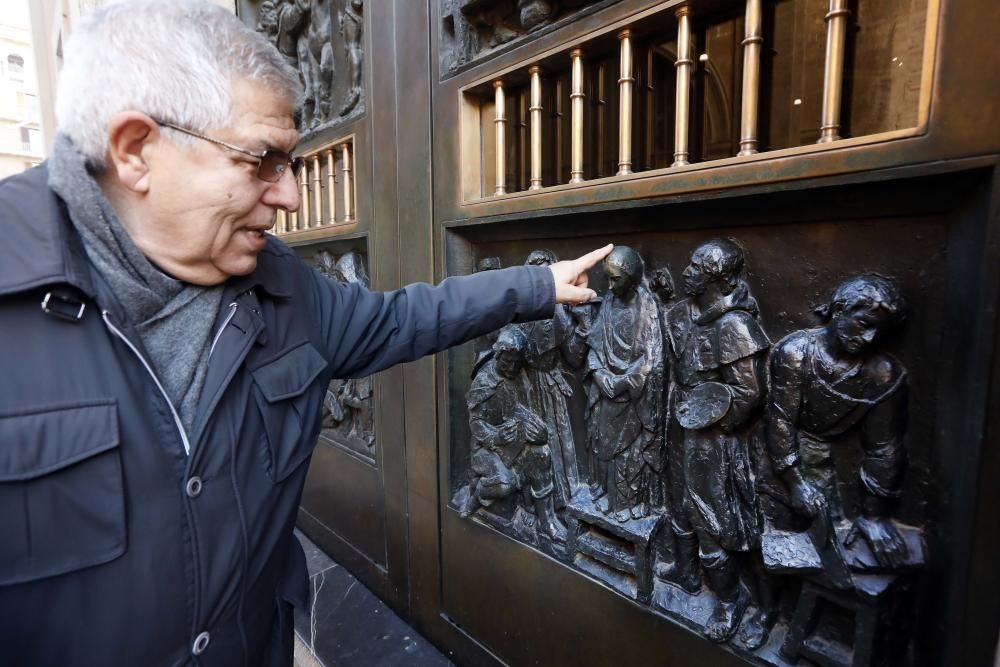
x,y
270,275
40,247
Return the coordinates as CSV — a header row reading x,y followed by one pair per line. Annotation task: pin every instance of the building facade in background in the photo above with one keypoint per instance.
x,y
21,145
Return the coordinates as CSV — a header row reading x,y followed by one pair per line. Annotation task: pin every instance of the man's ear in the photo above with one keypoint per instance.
x,y
130,135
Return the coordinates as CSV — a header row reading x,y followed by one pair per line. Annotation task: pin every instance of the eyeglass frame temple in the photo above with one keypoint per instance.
x,y
219,142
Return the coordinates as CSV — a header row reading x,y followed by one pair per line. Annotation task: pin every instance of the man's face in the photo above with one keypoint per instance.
x,y
696,281
858,329
619,281
206,211
509,363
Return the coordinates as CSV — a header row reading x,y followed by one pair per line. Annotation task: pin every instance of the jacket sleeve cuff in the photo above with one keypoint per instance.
x,y
537,294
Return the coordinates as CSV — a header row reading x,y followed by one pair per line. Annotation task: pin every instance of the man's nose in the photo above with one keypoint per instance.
x,y
283,193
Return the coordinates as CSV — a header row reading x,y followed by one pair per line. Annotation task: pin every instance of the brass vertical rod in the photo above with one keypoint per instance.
x,y
649,90
331,186
304,216
348,183
293,221
536,127
559,125
833,75
523,141
317,191
684,65
753,39
500,126
281,222
602,117
625,81
576,128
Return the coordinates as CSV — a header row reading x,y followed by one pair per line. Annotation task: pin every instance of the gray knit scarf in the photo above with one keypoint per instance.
x,y
173,319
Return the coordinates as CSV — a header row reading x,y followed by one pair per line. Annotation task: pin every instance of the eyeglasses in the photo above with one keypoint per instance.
x,y
271,164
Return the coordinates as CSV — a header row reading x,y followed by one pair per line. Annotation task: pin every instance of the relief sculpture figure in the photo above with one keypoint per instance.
x,y
510,454
661,284
832,387
829,383
548,343
285,23
350,23
348,412
718,349
319,57
625,389
282,22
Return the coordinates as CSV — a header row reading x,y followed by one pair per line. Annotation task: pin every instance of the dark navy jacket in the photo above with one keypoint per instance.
x,y
117,547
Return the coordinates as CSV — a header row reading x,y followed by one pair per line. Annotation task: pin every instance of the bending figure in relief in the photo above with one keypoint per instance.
x,y
509,450
833,382
719,351
625,389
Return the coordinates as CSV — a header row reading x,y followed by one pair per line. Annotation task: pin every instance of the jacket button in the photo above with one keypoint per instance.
x,y
201,643
193,487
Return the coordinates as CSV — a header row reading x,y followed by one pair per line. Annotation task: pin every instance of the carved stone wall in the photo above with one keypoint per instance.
x,y
472,29
736,454
324,41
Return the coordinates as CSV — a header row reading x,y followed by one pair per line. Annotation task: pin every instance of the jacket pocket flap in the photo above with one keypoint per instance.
x,y
38,442
290,374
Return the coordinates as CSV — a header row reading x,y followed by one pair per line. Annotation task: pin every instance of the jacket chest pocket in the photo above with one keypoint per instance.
x,y
287,410
62,505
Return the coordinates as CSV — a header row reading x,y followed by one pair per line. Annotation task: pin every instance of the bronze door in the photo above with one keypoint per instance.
x,y
629,493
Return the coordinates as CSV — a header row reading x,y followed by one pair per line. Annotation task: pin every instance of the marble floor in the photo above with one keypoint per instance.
x,y
348,626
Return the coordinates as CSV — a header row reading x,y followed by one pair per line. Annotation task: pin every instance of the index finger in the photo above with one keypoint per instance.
x,y
584,262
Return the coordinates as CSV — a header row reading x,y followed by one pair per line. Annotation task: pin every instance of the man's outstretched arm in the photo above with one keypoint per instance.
x,y
365,331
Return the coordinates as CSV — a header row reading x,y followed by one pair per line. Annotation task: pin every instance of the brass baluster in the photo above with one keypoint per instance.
x,y
304,196
348,183
331,185
281,222
500,125
558,129
602,117
625,81
684,65
753,39
317,191
576,127
523,142
833,75
536,127
649,90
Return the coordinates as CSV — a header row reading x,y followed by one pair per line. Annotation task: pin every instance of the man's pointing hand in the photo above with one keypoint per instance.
x,y
571,276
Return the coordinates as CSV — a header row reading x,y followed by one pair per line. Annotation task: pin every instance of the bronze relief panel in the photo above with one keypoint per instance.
x,y
323,40
731,454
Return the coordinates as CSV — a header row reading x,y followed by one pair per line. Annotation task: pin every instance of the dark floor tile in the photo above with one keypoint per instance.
x,y
348,625
316,559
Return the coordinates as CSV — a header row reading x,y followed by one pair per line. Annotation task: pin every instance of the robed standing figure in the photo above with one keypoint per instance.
x,y
625,389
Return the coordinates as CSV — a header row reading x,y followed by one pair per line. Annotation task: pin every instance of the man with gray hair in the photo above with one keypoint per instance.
x,y
166,359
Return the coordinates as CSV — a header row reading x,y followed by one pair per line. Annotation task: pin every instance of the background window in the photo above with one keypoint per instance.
x,y
15,67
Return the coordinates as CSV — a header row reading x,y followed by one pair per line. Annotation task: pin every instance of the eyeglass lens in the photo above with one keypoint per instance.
x,y
274,163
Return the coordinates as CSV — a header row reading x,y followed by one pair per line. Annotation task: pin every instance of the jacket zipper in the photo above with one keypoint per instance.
x,y
173,410
218,334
